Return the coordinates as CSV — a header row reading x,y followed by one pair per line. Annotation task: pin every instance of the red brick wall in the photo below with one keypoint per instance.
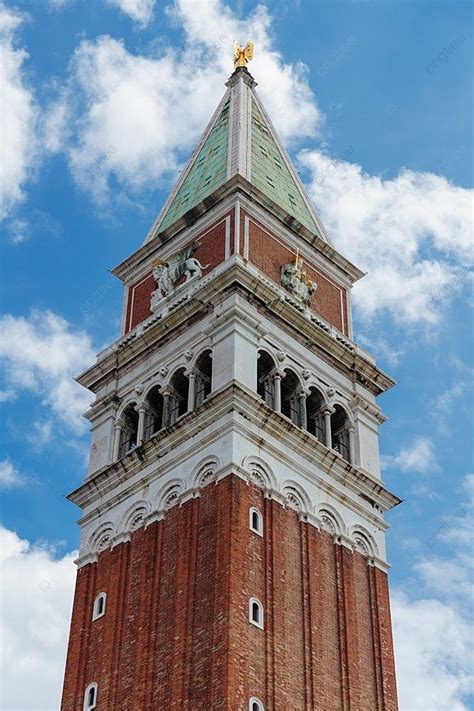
x,y
269,255
211,251
176,635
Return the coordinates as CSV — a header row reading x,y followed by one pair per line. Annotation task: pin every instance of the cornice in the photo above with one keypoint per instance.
x,y
196,300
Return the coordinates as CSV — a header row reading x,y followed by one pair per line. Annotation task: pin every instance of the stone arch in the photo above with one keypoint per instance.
x,y
202,370
296,496
291,385
338,402
266,366
135,516
259,472
206,471
129,401
363,541
331,520
341,424
202,351
179,387
101,538
169,494
265,348
155,382
313,383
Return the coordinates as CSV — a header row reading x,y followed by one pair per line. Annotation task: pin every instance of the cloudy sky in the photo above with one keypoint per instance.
x,y
102,101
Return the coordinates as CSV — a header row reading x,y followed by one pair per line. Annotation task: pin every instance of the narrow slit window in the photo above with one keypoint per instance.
x,y
99,606
90,697
256,705
256,612
256,521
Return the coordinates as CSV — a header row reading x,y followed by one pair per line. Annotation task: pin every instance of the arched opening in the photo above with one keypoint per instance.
x,y
314,414
154,417
256,521
128,439
289,396
256,612
90,697
265,382
340,432
99,606
203,378
255,705
179,395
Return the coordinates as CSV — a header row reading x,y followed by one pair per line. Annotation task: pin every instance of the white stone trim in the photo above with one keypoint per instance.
x,y
227,238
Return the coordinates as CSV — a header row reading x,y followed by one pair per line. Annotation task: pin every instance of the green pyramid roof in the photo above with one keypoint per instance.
x,y
239,140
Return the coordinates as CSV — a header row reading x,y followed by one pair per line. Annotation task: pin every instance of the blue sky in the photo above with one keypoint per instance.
x,y
103,102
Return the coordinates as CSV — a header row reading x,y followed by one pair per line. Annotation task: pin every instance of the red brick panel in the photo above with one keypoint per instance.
x,y
383,638
327,673
269,255
363,621
211,251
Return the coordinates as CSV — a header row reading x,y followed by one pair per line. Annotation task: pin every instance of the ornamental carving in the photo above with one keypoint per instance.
x,y
167,273
295,279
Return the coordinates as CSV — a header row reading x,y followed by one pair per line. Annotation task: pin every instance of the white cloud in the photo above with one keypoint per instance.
x,y
19,231
461,528
9,475
18,115
136,116
141,11
433,635
412,234
7,395
433,654
40,434
58,4
55,123
37,592
417,457
42,354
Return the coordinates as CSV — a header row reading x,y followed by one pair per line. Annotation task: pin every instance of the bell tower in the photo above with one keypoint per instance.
x,y
232,549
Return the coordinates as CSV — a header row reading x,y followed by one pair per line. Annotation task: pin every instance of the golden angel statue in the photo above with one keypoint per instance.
x,y
242,55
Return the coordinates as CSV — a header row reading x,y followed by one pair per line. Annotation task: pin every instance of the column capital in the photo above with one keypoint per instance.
x,y
166,390
277,373
119,423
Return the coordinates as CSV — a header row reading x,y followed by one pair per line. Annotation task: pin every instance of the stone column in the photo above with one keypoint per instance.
x,y
277,391
119,424
351,433
327,429
192,389
142,410
303,423
166,392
